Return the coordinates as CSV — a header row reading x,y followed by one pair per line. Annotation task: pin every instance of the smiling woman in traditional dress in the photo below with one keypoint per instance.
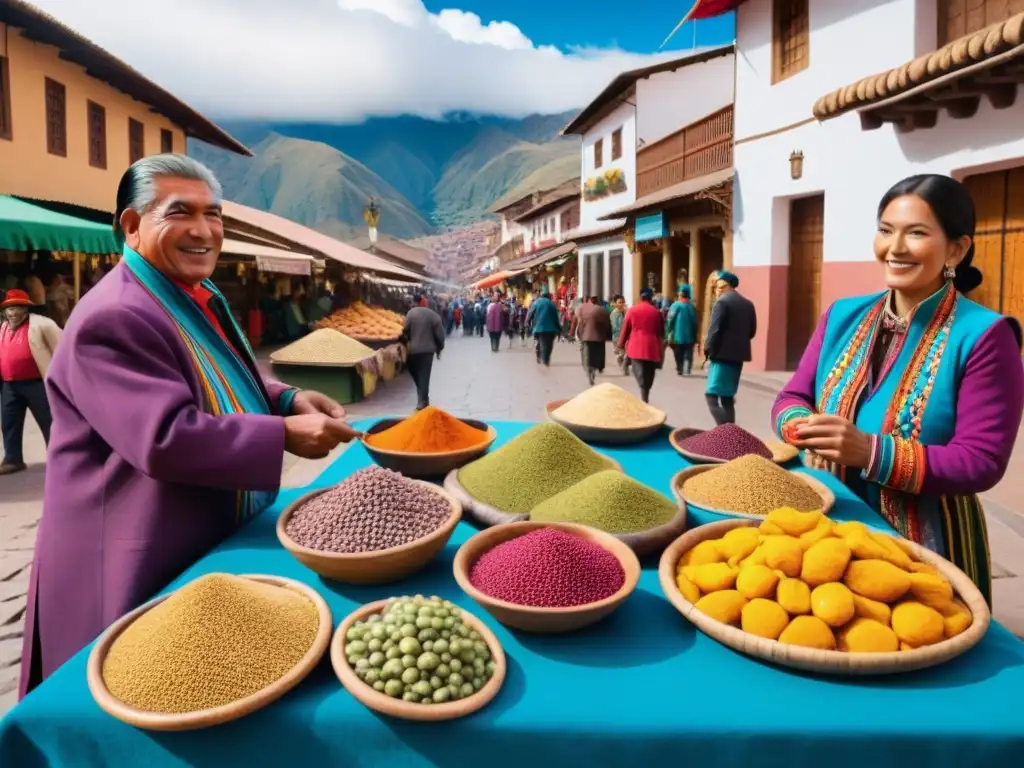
x,y
913,397
166,437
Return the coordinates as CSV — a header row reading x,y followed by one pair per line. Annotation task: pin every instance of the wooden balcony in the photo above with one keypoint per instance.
x,y
696,150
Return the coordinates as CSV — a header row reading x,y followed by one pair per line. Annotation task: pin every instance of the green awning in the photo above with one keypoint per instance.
x,y
558,262
27,227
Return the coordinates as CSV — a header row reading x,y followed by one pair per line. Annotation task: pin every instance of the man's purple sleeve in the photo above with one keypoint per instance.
x,y
126,381
989,405
796,399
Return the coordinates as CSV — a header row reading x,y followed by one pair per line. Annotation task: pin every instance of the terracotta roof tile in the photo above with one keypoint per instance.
x,y
1000,39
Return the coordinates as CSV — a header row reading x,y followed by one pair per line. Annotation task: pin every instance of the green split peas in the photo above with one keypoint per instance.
x,y
419,650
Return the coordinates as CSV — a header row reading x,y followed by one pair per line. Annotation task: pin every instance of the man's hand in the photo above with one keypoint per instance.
x,y
308,402
835,439
314,435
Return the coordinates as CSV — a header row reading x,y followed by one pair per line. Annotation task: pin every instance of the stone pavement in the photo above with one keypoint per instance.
x,y
473,382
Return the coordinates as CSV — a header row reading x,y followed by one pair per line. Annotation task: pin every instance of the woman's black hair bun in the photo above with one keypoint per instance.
x,y
967,278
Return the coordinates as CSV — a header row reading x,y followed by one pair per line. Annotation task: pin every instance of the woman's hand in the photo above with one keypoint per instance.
x,y
835,439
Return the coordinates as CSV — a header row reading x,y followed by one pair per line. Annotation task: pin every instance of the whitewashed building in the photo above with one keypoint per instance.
x,y
837,101
634,157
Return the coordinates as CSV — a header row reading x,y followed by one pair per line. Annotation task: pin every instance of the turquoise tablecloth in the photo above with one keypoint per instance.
x,y
642,688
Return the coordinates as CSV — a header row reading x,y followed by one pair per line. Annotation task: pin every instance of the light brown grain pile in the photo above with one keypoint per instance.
x,y
608,406
751,485
324,346
216,640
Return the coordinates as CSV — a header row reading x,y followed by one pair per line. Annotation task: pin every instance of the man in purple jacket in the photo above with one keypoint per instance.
x,y
165,435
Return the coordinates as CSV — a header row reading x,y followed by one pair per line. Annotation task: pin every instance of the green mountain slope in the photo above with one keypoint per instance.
x,y
426,173
313,184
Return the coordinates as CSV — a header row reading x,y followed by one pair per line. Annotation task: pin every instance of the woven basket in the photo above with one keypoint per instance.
x,y
781,452
828,499
810,659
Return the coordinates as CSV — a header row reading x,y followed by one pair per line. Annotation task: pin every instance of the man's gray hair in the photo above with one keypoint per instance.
x,y
146,171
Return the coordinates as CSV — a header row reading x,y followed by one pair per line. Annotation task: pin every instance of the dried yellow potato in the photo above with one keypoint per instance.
x,y
764,618
867,608
770,529
825,561
756,581
793,521
703,553
725,606
916,624
832,603
794,595
688,589
810,632
739,543
934,591
783,553
867,636
850,526
864,547
916,567
823,530
711,577
877,579
896,556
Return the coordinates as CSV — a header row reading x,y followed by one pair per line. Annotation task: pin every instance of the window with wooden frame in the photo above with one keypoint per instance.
x,y
6,127
965,17
791,38
166,141
97,124
136,140
56,118
598,153
616,144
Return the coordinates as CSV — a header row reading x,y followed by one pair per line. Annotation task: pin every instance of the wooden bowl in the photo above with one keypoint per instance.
x,y
813,660
427,464
828,499
204,718
548,621
485,514
408,710
606,435
782,452
381,567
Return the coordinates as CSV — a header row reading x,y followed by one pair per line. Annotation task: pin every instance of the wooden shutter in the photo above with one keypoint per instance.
x,y
965,17
791,38
614,273
6,128
136,140
56,118
97,126
598,153
166,140
595,276
806,246
616,144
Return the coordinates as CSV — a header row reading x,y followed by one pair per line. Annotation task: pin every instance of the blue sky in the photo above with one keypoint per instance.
x,y
639,26
346,60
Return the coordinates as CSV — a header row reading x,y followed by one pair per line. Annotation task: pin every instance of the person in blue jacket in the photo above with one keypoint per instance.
x,y
681,332
543,318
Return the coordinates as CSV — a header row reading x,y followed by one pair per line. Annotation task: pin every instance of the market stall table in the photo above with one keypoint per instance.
x,y
633,690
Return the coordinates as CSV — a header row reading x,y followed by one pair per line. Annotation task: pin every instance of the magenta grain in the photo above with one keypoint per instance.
x,y
726,442
548,568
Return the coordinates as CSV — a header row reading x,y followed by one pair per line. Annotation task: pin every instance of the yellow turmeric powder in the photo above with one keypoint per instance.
x,y
428,431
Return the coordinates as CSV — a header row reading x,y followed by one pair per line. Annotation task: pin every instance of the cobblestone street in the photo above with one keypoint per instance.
x,y
471,381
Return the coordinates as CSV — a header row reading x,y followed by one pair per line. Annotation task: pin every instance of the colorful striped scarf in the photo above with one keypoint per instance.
x,y
229,385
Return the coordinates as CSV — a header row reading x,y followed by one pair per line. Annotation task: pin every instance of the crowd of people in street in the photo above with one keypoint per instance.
x,y
640,335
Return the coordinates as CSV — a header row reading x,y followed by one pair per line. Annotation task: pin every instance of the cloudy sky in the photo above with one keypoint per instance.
x,y
344,60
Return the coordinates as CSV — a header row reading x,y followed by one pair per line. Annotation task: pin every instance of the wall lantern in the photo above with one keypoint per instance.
x,y
796,164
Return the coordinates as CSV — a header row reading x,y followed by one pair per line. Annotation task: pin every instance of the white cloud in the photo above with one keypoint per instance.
x,y
340,60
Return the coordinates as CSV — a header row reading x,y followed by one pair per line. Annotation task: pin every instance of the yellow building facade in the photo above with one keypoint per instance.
x,y
73,117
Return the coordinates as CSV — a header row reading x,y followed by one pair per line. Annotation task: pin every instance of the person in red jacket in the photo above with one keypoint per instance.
x,y
641,337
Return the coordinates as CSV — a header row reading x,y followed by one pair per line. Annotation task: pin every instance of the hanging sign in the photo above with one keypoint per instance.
x,y
650,227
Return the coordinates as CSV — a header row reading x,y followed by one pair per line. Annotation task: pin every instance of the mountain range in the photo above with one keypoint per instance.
x,y
428,175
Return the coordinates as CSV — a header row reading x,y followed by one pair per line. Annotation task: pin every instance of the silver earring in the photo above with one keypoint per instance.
x,y
949,272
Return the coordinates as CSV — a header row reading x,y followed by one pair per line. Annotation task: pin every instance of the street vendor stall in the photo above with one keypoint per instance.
x,y
638,688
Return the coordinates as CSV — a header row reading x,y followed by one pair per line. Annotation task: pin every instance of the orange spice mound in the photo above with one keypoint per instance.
x,y
428,431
